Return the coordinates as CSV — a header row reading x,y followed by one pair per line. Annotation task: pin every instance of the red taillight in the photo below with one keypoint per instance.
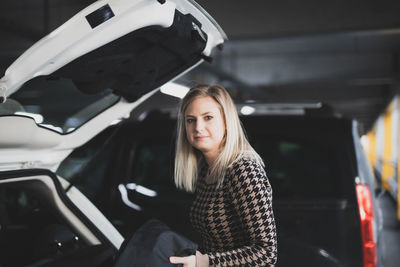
x,y
367,225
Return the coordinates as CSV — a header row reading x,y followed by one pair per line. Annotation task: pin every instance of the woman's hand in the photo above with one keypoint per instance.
x,y
199,260
189,261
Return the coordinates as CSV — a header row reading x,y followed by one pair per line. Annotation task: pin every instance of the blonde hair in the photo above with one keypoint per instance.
x,y
234,145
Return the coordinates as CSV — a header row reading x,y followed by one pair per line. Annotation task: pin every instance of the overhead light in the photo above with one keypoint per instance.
x,y
247,110
174,89
37,117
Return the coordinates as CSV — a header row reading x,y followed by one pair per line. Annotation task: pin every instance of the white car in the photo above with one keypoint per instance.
x,y
112,55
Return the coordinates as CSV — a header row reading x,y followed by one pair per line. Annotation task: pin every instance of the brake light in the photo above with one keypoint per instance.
x,y
367,225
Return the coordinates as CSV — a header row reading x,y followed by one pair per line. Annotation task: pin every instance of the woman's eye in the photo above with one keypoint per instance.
x,y
208,118
189,120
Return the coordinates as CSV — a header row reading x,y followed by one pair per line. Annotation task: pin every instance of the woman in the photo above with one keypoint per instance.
x,y
233,205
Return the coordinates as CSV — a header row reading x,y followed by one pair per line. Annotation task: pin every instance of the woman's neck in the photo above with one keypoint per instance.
x,y
210,159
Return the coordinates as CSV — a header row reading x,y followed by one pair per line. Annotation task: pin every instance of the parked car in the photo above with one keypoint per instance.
x,y
63,91
323,188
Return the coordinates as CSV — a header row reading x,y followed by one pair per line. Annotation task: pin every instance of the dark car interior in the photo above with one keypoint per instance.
x,y
34,233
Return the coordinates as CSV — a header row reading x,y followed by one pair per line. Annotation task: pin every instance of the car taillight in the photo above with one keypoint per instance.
x,y
367,225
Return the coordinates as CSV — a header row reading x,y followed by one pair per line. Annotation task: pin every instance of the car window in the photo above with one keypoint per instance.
x,y
88,166
153,167
150,185
300,169
30,230
53,104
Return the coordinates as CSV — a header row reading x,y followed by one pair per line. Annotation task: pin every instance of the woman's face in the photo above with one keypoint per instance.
x,y
205,127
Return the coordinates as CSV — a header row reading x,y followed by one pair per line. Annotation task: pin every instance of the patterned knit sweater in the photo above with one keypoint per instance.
x,y
236,220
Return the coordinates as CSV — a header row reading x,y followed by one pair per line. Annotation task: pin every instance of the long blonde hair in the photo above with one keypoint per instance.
x,y
234,145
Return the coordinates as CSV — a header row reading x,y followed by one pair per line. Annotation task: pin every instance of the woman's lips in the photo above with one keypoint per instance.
x,y
199,138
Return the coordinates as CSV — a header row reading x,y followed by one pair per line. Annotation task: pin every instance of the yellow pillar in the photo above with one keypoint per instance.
x,y
398,162
371,153
387,164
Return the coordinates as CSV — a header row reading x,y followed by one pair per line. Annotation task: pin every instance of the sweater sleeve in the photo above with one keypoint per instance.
x,y
252,200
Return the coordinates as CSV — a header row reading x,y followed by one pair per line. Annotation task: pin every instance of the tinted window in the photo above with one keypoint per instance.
x,y
305,158
299,169
156,193
153,166
87,167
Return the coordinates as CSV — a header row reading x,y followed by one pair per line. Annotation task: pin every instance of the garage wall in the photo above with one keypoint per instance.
x,y
382,147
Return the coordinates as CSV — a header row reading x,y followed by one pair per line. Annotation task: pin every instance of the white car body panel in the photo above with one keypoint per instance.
x,y
76,38
93,214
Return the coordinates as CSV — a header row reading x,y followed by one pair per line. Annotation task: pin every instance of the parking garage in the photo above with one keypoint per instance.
x,y
323,75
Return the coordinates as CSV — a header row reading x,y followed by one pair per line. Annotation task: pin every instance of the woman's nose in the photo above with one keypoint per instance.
x,y
199,125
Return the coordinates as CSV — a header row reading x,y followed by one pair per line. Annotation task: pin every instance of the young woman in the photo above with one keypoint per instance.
x,y
233,205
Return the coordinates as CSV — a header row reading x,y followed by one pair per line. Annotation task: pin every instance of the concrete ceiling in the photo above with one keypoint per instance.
x,y
344,53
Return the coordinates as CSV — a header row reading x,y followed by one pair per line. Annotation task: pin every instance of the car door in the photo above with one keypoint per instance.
x,y
78,80
93,70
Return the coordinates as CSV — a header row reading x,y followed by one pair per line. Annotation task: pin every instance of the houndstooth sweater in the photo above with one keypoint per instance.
x,y
236,221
